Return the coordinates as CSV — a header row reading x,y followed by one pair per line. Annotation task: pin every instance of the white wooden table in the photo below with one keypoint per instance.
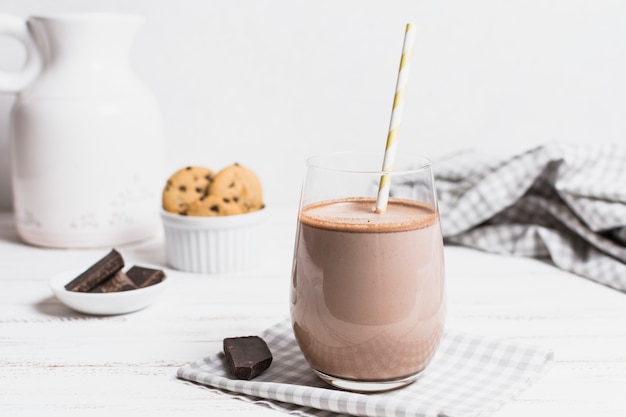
x,y
54,361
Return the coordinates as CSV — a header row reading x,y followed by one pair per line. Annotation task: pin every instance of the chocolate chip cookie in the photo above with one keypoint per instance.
x,y
240,185
186,186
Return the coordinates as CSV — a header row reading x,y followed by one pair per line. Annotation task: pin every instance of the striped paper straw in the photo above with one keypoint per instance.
x,y
396,117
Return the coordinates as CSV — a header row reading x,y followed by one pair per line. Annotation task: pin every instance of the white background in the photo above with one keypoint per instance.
x,y
268,83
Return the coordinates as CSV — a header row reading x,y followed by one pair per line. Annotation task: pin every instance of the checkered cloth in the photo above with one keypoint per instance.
x,y
469,376
564,203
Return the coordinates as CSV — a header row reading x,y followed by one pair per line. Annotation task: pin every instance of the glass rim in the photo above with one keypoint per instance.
x,y
422,163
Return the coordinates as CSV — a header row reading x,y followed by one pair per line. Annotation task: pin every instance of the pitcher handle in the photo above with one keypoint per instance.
x,y
13,81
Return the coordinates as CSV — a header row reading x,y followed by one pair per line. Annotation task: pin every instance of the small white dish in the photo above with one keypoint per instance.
x,y
111,303
223,244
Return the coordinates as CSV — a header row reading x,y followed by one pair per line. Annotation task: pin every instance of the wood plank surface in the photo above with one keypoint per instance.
x,y
54,361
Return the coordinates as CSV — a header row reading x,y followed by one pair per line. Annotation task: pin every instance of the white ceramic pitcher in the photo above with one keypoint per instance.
x,y
87,136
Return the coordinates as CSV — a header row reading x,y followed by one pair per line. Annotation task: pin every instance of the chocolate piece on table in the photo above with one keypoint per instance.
x,y
97,273
118,282
144,277
247,356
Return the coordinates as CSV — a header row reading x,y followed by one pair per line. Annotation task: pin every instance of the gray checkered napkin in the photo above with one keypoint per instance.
x,y
560,202
469,376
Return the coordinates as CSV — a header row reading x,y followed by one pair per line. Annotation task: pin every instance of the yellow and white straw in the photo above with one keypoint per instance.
x,y
396,117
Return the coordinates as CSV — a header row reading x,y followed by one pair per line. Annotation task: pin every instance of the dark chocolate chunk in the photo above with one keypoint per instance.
x,y
97,273
144,277
118,282
247,356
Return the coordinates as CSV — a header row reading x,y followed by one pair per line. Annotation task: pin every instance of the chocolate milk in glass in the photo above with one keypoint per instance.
x,y
367,296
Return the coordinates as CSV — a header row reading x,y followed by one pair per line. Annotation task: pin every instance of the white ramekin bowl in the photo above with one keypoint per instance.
x,y
222,244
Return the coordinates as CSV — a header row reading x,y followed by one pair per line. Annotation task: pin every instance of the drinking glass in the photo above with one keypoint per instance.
x,y
368,300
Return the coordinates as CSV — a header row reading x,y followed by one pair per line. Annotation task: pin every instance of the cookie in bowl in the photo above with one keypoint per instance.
x,y
186,186
240,185
217,229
